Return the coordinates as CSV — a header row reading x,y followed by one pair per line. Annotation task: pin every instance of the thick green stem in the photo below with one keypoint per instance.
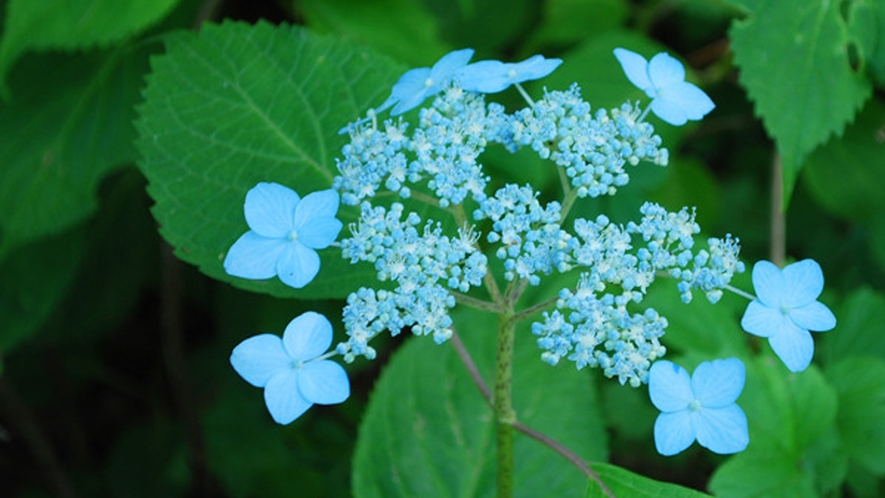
x,y
505,417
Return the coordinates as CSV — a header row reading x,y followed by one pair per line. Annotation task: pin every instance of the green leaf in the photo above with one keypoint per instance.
x,y
622,482
760,474
860,383
236,105
845,175
858,332
69,124
564,22
794,63
428,431
489,26
866,25
72,25
402,29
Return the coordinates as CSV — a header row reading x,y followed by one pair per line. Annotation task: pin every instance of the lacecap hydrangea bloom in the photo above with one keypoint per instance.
x,y
701,407
285,232
786,309
293,370
674,100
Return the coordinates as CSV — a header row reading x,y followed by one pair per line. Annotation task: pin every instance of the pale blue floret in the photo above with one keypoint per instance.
x,y
495,76
417,84
786,309
701,407
291,370
663,79
285,232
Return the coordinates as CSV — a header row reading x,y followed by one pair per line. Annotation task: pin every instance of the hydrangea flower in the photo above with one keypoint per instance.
x,y
288,369
700,408
663,79
786,309
415,85
285,231
495,76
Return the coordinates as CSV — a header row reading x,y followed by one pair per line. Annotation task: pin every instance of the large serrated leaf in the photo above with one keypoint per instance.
x,y
428,432
236,105
72,25
69,124
794,62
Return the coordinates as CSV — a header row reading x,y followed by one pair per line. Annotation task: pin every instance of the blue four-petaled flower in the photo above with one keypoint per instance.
x,y
415,85
495,76
285,232
701,407
663,79
288,369
786,309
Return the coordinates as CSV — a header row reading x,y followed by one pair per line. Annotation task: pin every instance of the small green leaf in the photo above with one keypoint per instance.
x,y
72,25
858,332
860,383
793,60
68,125
622,482
428,431
236,105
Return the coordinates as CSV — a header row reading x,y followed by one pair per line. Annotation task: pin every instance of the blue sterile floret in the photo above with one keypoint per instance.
x,y
787,308
291,369
496,76
701,407
285,232
663,79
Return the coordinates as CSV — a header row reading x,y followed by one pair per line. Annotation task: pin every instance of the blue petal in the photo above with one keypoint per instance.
x,y
446,67
298,265
485,77
636,68
718,383
319,204
284,402
722,430
691,100
769,283
669,111
253,256
804,281
669,386
815,316
763,321
674,432
307,336
324,382
665,71
319,233
794,346
410,90
259,358
270,208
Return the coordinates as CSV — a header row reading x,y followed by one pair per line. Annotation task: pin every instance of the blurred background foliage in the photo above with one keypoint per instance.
x,y
114,374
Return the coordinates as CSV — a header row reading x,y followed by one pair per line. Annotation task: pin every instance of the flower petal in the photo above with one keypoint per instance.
x,y
691,100
815,316
484,77
259,358
636,68
319,233
769,283
410,90
669,111
284,402
722,430
269,208
298,265
804,282
324,382
763,321
307,336
794,346
253,256
664,71
718,383
319,204
669,386
673,432
447,65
